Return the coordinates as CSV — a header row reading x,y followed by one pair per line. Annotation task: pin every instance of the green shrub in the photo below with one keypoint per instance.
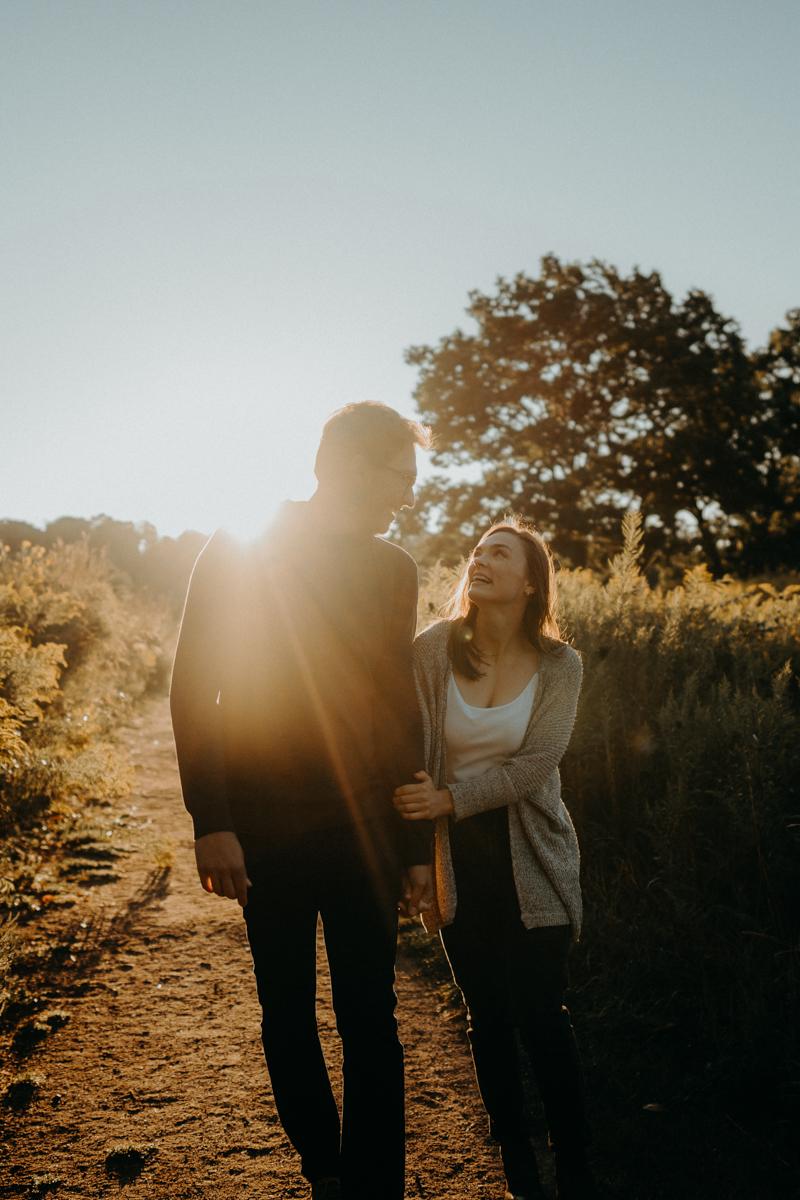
x,y
77,648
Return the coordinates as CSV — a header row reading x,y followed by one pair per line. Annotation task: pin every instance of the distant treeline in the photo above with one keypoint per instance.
x,y
162,565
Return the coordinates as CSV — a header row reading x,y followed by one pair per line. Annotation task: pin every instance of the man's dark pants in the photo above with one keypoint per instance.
x,y
351,880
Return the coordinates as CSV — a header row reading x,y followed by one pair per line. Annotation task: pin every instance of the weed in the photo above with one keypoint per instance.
x,y
56,1018
30,1035
164,855
21,1090
42,1184
126,1160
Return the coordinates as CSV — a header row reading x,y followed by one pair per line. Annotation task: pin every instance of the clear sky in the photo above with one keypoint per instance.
x,y
220,220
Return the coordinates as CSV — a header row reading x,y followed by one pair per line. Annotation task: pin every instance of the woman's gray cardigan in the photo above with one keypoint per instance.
x,y
541,834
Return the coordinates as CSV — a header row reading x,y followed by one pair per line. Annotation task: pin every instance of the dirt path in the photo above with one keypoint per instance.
x,y
160,1050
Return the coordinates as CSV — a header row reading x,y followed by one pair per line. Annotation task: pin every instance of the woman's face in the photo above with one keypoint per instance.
x,y
498,571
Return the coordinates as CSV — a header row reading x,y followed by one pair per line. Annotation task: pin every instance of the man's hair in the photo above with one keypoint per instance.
x,y
373,430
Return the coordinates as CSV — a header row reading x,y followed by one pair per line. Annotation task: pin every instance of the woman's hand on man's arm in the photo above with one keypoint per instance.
x,y
421,801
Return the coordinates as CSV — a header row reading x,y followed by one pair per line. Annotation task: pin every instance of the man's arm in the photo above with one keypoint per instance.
x,y
409,746
197,677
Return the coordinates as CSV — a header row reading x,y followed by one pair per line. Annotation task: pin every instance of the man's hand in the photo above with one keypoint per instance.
x,y
220,865
422,801
417,891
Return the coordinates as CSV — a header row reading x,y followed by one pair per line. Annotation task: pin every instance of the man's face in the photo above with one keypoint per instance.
x,y
386,487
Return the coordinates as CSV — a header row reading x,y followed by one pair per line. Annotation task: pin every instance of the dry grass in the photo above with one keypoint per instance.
x,y
681,778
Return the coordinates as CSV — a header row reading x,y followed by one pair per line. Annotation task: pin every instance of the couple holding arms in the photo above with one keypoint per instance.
x,y
336,768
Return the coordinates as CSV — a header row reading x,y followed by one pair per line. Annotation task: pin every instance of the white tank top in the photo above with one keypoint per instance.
x,y
477,739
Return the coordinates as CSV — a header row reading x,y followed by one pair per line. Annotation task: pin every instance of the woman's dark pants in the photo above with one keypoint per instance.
x,y
354,888
513,978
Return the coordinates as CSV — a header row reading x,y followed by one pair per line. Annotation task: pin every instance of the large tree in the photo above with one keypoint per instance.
x,y
774,533
583,392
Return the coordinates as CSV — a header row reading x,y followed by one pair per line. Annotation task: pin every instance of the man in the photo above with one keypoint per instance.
x,y
295,718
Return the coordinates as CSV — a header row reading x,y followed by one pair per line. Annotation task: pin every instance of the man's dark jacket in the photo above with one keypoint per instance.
x,y
292,696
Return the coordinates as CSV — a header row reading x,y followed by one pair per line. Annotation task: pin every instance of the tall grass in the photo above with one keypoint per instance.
x,y
77,648
682,777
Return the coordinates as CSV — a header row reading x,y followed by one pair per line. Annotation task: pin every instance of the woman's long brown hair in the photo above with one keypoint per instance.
x,y
540,619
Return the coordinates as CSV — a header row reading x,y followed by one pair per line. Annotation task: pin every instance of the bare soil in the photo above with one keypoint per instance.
x,y
142,1072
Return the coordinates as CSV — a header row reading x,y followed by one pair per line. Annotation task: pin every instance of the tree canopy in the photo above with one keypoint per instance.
x,y
583,393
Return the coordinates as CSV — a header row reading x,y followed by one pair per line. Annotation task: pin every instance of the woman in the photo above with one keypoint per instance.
x,y
498,690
